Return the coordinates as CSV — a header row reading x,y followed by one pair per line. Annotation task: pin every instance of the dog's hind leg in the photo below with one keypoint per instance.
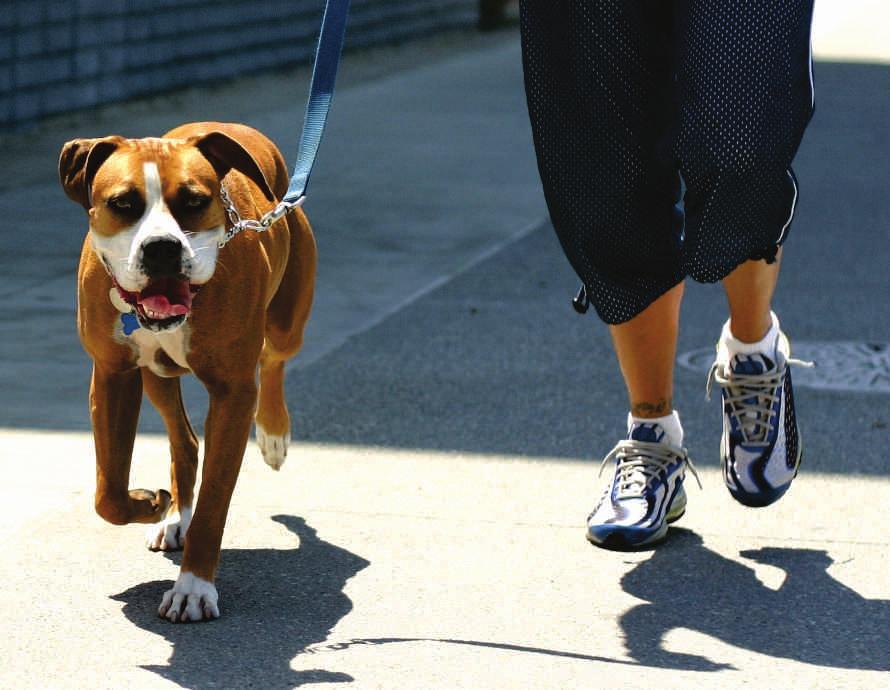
x,y
272,418
166,395
286,318
115,398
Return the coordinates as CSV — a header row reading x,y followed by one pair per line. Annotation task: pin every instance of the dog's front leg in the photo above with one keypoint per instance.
x,y
115,398
193,596
166,395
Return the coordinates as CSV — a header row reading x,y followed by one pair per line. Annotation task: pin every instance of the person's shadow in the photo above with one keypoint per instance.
x,y
280,601
811,618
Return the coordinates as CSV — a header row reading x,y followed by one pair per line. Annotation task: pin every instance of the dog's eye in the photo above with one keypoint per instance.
x,y
196,201
190,200
127,204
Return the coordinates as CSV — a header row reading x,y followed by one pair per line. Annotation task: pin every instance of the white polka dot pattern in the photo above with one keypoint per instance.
x,y
635,102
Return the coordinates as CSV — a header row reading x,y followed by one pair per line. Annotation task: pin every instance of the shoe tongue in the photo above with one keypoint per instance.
x,y
752,364
635,482
649,433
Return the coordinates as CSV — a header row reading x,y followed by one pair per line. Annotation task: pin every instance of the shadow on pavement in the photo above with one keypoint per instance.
x,y
505,646
276,603
812,618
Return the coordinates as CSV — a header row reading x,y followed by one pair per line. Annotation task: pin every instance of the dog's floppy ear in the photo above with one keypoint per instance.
x,y
224,154
78,163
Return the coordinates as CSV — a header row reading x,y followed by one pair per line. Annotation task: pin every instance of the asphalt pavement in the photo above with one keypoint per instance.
x,y
449,412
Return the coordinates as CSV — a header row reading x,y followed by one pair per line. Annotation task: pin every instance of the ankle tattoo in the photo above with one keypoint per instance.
x,y
648,408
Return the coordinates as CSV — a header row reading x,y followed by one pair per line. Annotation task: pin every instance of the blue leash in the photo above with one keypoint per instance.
x,y
321,93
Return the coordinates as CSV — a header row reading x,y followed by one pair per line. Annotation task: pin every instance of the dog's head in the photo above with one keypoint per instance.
x,y
155,213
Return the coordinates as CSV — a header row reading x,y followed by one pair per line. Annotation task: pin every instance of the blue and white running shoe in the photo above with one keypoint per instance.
x,y
646,493
761,448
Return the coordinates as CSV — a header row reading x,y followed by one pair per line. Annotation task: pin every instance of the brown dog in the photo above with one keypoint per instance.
x,y
158,298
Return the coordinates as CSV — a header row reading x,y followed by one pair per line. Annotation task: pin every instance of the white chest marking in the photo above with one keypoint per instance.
x,y
173,343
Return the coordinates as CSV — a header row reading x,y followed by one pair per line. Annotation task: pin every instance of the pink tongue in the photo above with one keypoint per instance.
x,y
161,305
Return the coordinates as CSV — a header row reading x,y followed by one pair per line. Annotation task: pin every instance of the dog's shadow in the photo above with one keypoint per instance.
x,y
280,601
811,618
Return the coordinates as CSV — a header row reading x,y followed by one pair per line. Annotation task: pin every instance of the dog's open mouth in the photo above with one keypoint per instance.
x,y
164,303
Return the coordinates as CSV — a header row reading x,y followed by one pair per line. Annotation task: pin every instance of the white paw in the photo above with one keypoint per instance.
x,y
274,448
169,533
191,599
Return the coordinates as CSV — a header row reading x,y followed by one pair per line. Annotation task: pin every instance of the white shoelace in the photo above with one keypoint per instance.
x,y
751,398
641,462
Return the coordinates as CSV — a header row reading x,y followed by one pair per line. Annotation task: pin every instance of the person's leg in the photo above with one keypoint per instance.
x,y
744,84
646,347
597,76
760,449
749,292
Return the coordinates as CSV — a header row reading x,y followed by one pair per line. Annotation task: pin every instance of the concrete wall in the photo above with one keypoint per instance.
x,y
60,55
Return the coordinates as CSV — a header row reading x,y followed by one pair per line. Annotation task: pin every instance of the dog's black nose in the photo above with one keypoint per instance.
x,y
162,257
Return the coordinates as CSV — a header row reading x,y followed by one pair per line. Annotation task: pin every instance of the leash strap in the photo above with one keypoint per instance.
x,y
321,93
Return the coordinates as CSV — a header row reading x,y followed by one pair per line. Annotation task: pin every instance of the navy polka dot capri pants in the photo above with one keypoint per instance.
x,y
664,132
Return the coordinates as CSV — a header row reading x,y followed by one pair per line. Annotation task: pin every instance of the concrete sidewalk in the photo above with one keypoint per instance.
x,y
427,529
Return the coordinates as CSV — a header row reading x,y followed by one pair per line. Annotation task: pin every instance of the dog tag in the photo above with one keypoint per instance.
x,y
129,322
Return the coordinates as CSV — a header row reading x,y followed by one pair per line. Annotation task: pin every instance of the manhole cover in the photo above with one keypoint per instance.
x,y
840,366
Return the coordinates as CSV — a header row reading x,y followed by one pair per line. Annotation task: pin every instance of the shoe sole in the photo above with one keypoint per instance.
x,y
617,542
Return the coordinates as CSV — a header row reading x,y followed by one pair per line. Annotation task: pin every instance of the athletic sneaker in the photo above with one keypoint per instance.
x,y
761,449
646,493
